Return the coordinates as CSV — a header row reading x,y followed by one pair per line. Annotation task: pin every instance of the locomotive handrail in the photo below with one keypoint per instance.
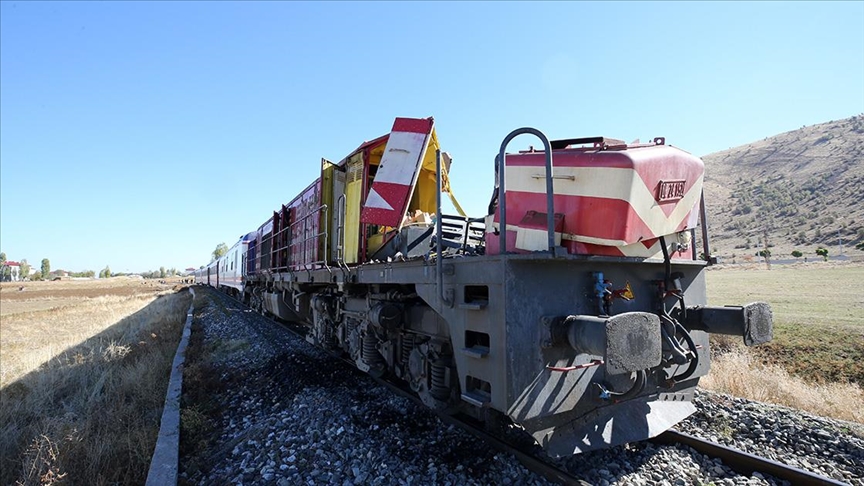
x,y
340,231
439,234
439,264
502,203
703,217
322,208
303,243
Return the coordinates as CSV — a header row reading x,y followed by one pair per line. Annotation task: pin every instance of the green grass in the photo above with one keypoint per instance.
x,y
818,315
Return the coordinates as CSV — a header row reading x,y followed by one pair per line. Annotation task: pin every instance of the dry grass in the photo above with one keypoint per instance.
x,y
816,360
83,386
736,373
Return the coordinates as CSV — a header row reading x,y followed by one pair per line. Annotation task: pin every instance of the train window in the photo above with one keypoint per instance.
x,y
476,294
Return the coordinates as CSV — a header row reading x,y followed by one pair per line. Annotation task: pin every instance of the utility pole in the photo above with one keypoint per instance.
x,y
839,242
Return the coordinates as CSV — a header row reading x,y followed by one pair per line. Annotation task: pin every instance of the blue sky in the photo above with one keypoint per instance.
x,y
142,134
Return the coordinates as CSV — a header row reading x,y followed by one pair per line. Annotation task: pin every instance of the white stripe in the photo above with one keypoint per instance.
x,y
610,183
376,201
401,158
639,250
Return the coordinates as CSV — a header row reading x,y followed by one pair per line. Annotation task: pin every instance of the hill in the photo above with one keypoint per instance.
x,y
803,188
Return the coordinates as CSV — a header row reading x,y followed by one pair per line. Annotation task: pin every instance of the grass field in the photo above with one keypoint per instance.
x,y
816,360
84,366
20,297
818,315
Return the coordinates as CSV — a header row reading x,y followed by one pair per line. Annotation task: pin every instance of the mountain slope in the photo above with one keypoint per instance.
x,y
803,189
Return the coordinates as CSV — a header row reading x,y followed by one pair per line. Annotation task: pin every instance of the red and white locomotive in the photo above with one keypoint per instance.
x,y
576,308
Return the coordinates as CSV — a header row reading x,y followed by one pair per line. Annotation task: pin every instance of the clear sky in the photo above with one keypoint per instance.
x,y
143,134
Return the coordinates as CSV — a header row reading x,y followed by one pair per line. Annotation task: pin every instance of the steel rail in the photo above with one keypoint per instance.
x,y
744,462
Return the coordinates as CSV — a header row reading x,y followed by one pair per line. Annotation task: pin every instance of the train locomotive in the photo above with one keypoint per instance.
x,y
575,310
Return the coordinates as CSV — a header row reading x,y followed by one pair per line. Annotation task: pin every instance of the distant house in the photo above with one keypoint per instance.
x,y
11,272
14,271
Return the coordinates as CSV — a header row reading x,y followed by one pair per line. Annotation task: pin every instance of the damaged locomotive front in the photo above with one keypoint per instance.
x,y
576,309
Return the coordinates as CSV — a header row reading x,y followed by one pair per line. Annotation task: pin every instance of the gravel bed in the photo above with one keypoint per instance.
x,y
820,445
290,414
293,415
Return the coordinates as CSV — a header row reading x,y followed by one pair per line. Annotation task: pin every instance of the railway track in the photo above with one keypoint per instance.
x,y
531,462
743,462
739,461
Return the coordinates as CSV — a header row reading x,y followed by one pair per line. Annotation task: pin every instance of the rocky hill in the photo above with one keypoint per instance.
x,y
803,189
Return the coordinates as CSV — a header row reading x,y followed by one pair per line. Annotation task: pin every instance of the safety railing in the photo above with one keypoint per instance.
x,y
307,229
339,258
439,261
294,252
281,240
502,201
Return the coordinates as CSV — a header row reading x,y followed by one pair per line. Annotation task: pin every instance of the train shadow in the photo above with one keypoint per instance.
x,y
90,414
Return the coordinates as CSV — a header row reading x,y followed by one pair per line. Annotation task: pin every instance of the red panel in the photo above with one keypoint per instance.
x,y
611,219
417,125
393,195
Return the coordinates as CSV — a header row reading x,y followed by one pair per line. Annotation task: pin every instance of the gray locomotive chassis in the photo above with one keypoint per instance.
x,y
561,410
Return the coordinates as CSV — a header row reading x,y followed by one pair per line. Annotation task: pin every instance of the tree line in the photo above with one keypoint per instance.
x,y
45,273
821,251
23,269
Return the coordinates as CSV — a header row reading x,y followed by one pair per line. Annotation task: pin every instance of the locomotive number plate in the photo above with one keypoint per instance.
x,y
670,190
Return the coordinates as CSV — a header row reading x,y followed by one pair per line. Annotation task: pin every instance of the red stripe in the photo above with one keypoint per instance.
x,y
652,164
381,217
416,125
396,195
611,219
580,248
589,249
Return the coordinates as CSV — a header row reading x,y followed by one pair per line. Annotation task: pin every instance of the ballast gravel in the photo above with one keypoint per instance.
x,y
290,414
827,447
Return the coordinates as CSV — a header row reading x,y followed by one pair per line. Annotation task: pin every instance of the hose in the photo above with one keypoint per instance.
x,y
667,264
638,386
693,362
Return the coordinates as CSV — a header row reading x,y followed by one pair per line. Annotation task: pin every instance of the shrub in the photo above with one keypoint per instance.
x,y
823,252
